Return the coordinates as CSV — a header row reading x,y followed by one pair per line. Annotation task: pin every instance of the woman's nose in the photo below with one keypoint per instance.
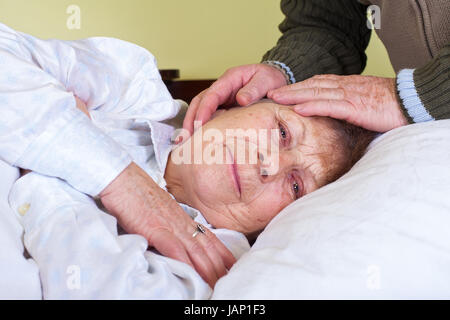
x,y
267,169
271,166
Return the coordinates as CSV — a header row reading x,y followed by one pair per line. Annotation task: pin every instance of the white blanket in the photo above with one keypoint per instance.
x,y
19,277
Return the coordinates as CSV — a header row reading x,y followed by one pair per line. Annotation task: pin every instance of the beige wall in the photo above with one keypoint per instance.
x,y
202,38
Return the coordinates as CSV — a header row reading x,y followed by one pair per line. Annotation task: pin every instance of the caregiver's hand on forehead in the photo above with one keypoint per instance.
x,y
242,85
366,101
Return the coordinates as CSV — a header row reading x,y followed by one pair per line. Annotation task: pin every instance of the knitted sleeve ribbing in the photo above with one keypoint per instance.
x,y
425,92
433,84
322,36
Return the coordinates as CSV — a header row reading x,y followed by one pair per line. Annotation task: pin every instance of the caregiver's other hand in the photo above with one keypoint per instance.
x,y
142,207
243,85
366,101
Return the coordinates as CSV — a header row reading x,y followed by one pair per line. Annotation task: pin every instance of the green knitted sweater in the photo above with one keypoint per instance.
x,y
330,37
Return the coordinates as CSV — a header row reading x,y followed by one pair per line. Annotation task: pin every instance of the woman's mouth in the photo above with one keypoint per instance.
x,y
234,172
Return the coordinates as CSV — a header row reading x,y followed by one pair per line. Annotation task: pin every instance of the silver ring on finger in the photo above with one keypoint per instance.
x,y
199,229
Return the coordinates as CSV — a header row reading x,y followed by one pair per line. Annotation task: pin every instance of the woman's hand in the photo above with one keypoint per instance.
x,y
243,85
142,207
365,101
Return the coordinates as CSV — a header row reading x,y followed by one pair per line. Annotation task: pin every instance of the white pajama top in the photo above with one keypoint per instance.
x,y
75,248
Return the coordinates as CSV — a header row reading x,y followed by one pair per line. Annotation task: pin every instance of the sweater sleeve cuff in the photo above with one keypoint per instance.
x,y
288,74
78,152
412,105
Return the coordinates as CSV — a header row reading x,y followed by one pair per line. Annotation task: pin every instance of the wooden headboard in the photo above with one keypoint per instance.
x,y
185,90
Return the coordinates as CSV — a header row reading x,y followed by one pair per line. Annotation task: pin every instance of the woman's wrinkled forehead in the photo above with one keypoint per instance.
x,y
276,108
287,116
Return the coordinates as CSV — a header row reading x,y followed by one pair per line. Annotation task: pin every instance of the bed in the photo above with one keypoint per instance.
x,y
379,232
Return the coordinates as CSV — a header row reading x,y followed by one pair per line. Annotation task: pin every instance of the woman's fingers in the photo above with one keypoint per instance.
x,y
202,263
199,252
168,245
224,255
227,257
203,259
204,252
206,260
210,256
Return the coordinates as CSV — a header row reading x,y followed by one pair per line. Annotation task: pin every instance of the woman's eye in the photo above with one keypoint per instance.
x,y
283,132
296,189
296,185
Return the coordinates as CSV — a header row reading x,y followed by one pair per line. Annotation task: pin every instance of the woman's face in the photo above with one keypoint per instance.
x,y
242,180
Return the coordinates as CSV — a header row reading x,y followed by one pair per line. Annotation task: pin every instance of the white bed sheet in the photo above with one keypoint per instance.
x,y
19,277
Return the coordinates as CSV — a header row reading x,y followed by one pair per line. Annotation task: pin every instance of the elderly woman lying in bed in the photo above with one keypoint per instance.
x,y
233,175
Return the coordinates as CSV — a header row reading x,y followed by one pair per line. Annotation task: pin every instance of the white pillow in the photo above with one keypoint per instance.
x,y
380,231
